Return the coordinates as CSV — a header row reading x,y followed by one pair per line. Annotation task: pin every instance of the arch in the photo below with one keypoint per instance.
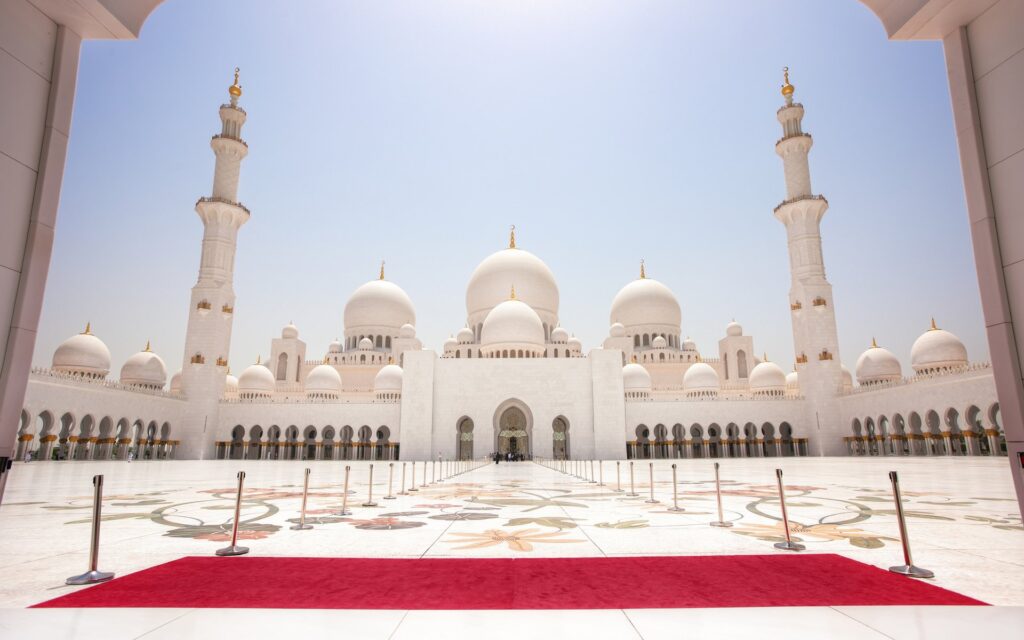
x,y
273,442
464,438
714,440
363,446
380,449
513,428
678,440
291,437
255,443
237,437
560,438
643,442
345,436
768,433
750,435
327,448
309,443
957,443
732,435
282,366
741,363
786,433
697,441
660,441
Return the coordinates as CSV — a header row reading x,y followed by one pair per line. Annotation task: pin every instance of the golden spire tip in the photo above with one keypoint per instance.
x,y
235,90
258,359
874,345
381,269
512,295
787,88
147,349
512,237
643,270
934,326
88,329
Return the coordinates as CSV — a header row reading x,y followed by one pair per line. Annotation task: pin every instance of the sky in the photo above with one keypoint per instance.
x,y
417,132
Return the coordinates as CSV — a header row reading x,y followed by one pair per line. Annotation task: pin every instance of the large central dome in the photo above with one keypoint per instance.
x,y
646,302
489,285
378,304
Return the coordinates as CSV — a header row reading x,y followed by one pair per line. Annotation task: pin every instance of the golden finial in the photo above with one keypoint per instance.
x,y
764,357
512,237
643,270
391,360
787,89
147,349
88,329
874,345
228,372
633,359
512,295
381,269
258,359
325,360
236,89
934,326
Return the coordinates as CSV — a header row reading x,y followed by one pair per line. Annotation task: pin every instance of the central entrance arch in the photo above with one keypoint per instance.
x,y
513,429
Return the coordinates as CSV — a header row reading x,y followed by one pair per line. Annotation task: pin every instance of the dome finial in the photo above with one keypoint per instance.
x,y
934,326
643,270
381,269
874,345
512,295
512,237
147,349
787,88
325,360
765,357
235,90
88,329
258,359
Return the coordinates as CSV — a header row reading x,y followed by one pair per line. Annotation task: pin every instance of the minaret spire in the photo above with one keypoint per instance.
x,y
381,269
512,237
643,270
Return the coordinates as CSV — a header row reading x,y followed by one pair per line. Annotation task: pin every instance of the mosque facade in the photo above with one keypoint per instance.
x,y
512,380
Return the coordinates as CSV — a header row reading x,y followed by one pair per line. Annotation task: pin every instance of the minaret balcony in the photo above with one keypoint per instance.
x,y
794,143
221,136
223,201
799,199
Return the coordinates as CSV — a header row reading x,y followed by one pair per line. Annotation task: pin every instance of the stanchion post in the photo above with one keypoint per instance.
x,y
344,496
302,526
391,474
632,483
907,568
718,496
592,481
93,575
369,495
600,473
433,471
233,549
675,492
403,492
652,500
788,545
424,474
618,478
412,485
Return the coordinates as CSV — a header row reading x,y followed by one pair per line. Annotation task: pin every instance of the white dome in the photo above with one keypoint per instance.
x,y
176,382
847,378
378,304
323,379
389,378
256,379
230,383
937,350
792,379
733,329
767,375
144,369
512,322
635,378
646,302
366,343
617,330
659,342
535,285
290,332
575,343
450,343
465,336
83,354
559,336
407,331
689,345
334,347
700,377
878,365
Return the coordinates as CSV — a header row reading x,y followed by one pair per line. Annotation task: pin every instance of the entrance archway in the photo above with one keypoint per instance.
x,y
513,431
465,434
560,439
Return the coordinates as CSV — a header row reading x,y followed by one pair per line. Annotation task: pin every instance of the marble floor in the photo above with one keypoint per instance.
x,y
962,518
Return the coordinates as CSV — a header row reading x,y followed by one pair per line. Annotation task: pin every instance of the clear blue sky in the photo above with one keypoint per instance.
x,y
417,132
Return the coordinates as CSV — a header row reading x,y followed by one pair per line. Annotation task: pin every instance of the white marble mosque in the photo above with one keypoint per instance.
x,y
512,379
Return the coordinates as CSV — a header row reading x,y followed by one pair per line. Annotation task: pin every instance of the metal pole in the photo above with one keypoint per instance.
x,y
788,545
908,568
391,473
632,486
344,496
592,481
369,496
675,492
618,478
302,526
652,500
93,575
433,471
403,492
234,549
718,493
412,485
600,473
424,474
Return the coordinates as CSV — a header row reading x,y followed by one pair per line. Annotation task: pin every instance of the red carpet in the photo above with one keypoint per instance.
x,y
535,583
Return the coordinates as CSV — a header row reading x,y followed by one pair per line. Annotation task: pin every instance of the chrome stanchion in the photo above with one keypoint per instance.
x,y
592,481
344,496
424,474
391,473
93,574
788,545
302,526
907,568
618,478
433,471
632,485
652,500
412,485
233,549
369,495
675,492
718,494
600,473
403,492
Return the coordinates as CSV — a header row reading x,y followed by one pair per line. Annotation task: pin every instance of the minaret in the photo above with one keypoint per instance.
x,y
815,338
213,297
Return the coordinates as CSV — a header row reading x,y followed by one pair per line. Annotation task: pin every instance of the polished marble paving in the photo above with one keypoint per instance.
x,y
962,518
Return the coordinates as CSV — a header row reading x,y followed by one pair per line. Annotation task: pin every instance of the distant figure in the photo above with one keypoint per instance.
x,y
131,455
28,457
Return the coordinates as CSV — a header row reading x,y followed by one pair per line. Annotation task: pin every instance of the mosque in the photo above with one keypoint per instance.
x,y
512,379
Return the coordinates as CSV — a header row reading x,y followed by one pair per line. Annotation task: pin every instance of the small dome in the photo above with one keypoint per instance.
x,y
83,354
144,369
366,343
378,304
465,336
937,350
635,378
700,377
878,365
767,376
334,347
512,322
230,383
659,342
407,331
575,344
323,379
256,380
290,332
617,330
450,343
559,336
389,378
733,329
689,345
644,302
176,382
792,379
847,378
